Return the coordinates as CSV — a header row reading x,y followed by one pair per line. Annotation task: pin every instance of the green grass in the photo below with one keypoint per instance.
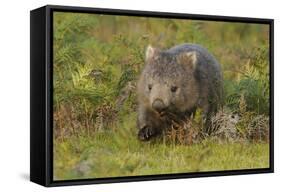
x,y
119,153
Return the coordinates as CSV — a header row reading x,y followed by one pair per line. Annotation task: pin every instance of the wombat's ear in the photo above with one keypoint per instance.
x,y
189,59
150,52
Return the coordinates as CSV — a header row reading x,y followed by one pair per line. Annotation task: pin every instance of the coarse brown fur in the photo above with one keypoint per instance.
x,y
173,84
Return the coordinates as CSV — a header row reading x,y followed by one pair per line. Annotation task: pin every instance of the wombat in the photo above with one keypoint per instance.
x,y
173,84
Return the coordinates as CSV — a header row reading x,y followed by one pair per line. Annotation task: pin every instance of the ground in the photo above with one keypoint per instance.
x,y
119,153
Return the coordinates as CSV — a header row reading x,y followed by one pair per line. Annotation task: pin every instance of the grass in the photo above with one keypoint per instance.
x,y
118,153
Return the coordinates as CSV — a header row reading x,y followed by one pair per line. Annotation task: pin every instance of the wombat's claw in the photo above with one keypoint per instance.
x,y
145,133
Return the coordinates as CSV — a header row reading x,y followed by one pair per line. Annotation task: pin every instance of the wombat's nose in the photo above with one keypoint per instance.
x,y
158,105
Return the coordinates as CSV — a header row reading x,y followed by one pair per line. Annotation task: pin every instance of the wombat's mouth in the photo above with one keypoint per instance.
x,y
168,115
162,113
165,113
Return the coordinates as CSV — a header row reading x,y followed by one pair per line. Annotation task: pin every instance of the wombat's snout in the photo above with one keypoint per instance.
x,y
158,105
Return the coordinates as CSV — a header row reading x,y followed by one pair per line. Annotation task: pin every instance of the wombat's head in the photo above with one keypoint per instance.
x,y
168,82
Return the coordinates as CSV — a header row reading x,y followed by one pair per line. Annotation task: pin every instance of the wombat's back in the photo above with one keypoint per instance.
x,y
208,71
204,57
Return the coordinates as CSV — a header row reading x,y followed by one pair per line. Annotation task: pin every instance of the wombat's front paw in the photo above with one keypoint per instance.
x,y
146,133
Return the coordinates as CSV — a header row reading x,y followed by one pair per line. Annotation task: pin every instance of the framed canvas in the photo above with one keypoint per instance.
x,y
123,95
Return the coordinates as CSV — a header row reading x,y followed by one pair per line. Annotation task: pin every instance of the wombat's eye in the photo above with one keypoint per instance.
x,y
174,88
149,87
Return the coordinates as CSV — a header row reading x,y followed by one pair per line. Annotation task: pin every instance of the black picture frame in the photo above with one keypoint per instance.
x,y
41,92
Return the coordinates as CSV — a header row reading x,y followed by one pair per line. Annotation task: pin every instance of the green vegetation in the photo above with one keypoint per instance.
x,y
97,60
